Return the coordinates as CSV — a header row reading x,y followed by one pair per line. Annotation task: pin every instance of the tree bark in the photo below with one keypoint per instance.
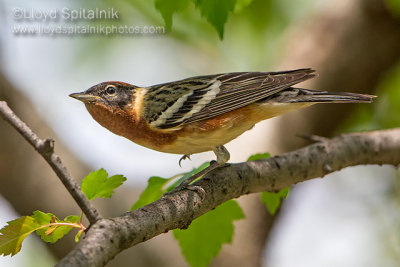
x,y
108,237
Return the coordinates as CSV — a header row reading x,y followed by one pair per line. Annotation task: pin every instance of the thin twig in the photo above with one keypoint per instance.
x,y
45,147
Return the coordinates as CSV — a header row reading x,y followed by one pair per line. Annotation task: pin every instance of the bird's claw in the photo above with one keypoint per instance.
x,y
186,183
183,158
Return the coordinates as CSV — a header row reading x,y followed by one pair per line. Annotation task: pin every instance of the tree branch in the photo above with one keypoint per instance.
x,y
45,147
107,237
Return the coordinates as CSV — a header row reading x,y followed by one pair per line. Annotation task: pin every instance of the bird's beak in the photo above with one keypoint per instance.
x,y
85,98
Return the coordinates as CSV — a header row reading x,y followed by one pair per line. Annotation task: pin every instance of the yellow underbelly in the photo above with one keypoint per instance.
x,y
205,136
200,141
192,138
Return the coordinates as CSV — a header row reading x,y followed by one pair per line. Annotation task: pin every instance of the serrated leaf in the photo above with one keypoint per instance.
x,y
97,184
53,233
259,156
167,9
153,191
43,218
203,240
216,12
13,234
273,200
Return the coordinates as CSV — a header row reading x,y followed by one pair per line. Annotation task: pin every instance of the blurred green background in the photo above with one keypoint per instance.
x,y
350,218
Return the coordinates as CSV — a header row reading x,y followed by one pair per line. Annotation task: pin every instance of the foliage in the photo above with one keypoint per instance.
x,y
57,228
200,243
14,233
167,9
187,175
215,11
259,156
98,184
156,186
47,225
204,238
253,33
273,200
152,192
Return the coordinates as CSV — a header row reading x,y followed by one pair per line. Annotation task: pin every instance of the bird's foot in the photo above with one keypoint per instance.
x,y
185,184
186,156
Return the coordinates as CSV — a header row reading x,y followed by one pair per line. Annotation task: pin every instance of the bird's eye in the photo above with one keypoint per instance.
x,y
110,90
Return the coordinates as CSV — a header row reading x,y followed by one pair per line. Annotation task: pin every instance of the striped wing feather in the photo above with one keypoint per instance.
x,y
205,97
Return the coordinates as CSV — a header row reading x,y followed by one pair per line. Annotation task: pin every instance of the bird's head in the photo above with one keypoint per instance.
x,y
112,95
112,105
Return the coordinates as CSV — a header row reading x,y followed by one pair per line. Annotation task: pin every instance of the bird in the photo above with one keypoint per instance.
x,y
202,113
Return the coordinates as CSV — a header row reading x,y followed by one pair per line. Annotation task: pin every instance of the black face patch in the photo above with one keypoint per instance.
x,y
114,94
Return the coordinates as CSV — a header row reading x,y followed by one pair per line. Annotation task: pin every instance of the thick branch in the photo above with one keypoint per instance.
x,y
45,147
107,237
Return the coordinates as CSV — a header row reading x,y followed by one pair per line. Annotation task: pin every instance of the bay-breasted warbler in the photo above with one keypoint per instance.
x,y
202,113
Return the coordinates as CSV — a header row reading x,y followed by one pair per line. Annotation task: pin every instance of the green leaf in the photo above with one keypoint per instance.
x,y
155,187
203,240
97,184
216,12
394,7
189,174
153,191
53,233
167,9
273,200
12,235
259,156
43,218
72,219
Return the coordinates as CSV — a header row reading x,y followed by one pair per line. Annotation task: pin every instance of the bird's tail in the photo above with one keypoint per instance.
x,y
300,95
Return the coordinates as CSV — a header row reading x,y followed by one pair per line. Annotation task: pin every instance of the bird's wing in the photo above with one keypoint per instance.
x,y
200,98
